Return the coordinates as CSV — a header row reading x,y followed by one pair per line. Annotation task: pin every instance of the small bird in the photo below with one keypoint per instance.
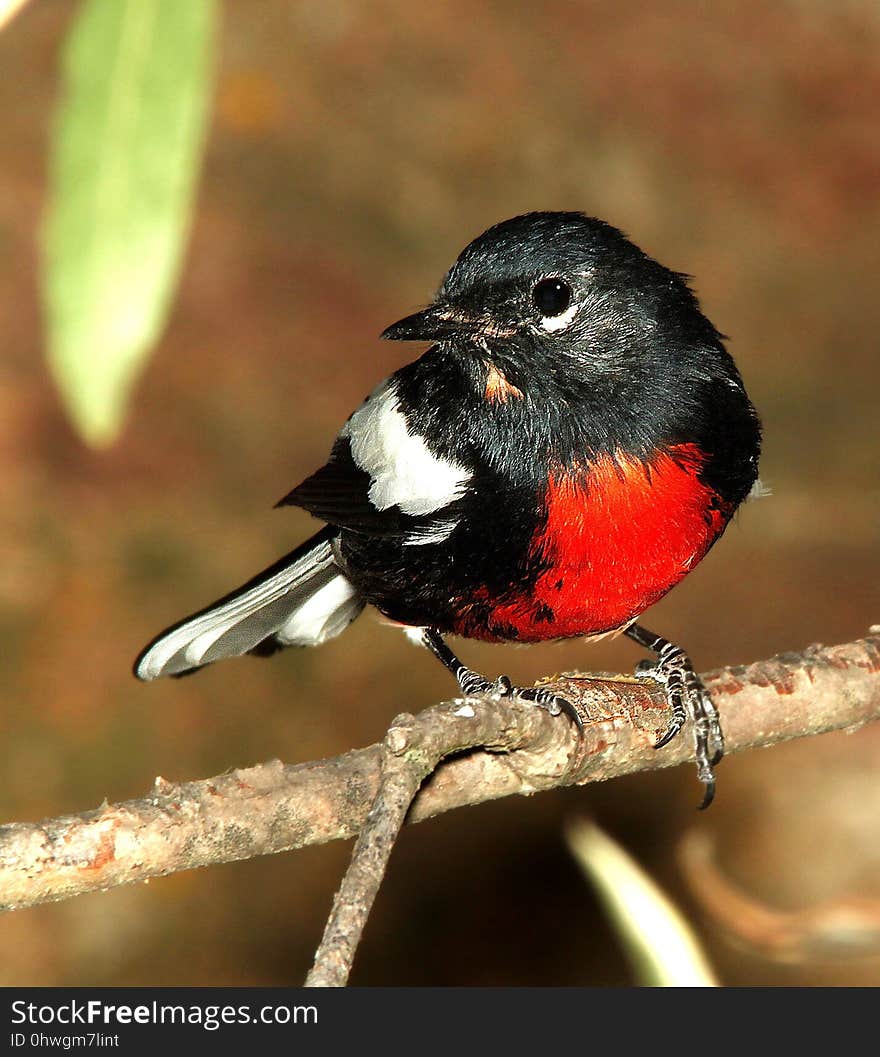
x,y
570,446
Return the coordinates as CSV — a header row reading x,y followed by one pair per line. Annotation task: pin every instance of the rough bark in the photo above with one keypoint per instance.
x,y
497,748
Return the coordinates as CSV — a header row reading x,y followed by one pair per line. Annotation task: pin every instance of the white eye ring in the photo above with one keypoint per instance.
x,y
560,322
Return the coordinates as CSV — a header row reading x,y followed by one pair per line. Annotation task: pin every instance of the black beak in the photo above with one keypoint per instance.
x,y
431,324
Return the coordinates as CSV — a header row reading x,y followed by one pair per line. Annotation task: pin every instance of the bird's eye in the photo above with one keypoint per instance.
x,y
551,296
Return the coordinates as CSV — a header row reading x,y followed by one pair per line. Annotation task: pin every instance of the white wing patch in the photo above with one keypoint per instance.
x,y
404,472
433,532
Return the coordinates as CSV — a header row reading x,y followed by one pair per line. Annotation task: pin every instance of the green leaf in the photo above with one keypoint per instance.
x,y
661,945
126,149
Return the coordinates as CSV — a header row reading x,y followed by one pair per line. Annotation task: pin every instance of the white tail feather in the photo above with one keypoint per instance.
x,y
303,601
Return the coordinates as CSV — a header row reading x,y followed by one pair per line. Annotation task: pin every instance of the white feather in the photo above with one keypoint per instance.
x,y
404,472
759,490
306,602
434,532
317,618
196,636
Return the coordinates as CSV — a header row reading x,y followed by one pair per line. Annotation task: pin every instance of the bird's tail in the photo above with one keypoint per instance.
x,y
301,600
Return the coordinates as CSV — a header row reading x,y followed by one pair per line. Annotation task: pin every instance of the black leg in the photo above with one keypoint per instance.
x,y
472,682
688,699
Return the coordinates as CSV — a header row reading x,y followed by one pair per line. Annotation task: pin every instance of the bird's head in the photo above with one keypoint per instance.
x,y
562,301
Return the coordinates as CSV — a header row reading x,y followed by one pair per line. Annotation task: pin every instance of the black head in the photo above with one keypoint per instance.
x,y
564,289
577,317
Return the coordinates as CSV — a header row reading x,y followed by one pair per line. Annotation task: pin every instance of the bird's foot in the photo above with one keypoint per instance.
x,y
473,683
553,703
688,699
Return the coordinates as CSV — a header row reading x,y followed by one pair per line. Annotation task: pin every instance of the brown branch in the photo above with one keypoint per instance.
x,y
276,807
411,752
840,929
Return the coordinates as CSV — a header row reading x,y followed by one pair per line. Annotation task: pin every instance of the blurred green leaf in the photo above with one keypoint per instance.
x,y
125,156
661,945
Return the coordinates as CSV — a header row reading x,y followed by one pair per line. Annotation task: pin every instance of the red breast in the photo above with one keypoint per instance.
x,y
617,536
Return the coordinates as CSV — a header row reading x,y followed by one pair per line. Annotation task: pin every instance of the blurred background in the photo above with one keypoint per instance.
x,y
353,150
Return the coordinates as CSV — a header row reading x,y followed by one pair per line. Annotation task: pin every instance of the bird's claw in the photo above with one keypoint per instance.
x,y
552,703
472,683
688,699
503,686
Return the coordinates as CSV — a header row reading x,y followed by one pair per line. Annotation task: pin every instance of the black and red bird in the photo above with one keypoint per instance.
x,y
568,449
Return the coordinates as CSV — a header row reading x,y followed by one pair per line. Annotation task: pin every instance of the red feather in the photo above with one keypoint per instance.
x,y
617,537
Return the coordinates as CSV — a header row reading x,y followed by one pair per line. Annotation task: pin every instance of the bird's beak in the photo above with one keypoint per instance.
x,y
433,323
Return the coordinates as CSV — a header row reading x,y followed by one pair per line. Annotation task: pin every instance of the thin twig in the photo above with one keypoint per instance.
x,y
405,765
412,751
276,807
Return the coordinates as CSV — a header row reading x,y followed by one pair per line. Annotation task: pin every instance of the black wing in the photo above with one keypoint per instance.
x,y
339,493
383,478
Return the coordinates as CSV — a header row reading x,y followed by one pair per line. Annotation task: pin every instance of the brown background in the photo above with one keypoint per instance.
x,y
354,149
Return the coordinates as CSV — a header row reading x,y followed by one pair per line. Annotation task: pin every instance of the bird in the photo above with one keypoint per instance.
x,y
570,446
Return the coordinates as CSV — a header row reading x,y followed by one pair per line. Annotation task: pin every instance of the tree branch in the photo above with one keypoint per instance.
x,y
276,807
410,754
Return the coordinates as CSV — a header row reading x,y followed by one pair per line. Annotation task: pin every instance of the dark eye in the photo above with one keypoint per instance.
x,y
551,296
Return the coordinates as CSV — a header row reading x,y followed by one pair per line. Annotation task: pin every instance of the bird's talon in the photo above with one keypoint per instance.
x,y
553,704
709,792
668,736
688,700
564,705
503,686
